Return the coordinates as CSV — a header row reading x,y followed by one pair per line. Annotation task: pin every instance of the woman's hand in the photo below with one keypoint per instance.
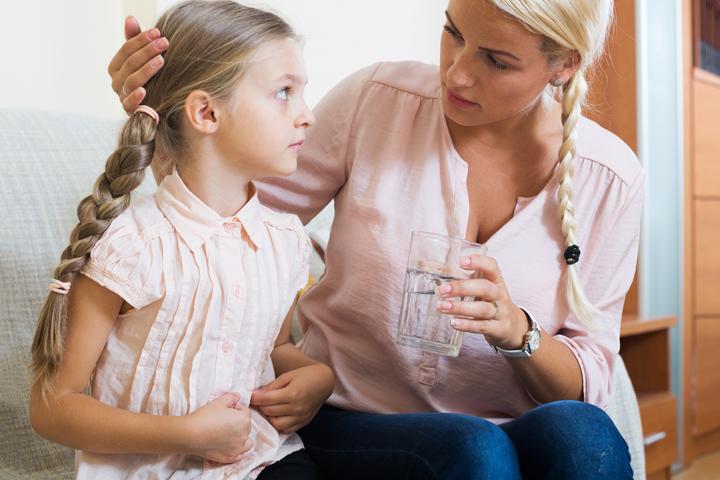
x,y
219,431
492,314
136,62
290,401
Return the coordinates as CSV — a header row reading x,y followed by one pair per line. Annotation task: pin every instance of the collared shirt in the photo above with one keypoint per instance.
x,y
382,150
209,295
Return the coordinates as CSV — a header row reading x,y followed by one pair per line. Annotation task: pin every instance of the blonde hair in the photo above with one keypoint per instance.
x,y
568,26
211,46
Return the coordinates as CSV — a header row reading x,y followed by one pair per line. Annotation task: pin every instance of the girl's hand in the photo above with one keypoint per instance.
x,y
136,62
219,431
492,314
290,401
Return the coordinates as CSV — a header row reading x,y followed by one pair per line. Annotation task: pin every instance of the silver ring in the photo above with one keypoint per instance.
x,y
497,310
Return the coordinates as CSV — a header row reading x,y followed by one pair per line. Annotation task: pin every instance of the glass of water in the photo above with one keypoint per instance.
x,y
434,259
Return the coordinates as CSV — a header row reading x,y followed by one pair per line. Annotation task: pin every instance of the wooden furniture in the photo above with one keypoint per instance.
x,y
645,349
701,309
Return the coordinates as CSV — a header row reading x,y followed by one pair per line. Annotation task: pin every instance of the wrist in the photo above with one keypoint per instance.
x,y
521,327
186,434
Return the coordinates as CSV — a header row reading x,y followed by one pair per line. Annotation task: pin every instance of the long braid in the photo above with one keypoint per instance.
x,y
574,94
124,172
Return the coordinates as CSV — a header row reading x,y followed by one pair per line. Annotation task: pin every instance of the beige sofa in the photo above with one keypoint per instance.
x,y
48,161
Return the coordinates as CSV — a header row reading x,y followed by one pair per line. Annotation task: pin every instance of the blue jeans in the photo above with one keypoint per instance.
x,y
559,440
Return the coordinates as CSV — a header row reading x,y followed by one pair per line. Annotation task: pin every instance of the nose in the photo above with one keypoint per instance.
x,y
459,74
306,118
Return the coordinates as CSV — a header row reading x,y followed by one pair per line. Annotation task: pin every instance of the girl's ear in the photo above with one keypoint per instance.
x,y
201,112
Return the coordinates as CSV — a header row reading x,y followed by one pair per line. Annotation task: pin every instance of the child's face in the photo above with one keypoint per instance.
x,y
267,114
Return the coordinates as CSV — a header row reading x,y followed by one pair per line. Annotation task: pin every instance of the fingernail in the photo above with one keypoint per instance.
x,y
160,43
156,62
152,34
445,305
446,288
465,261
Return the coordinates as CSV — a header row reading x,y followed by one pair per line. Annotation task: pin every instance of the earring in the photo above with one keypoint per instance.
x,y
556,83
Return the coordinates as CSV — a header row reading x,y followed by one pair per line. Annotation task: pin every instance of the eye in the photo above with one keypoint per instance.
x,y
283,94
495,63
453,33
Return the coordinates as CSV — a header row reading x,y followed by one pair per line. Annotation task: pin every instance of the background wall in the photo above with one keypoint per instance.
x,y
55,54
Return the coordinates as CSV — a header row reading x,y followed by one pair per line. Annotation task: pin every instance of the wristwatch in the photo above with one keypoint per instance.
x,y
532,341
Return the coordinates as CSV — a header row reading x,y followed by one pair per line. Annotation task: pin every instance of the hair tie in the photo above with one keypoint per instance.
x,y
572,254
59,287
148,111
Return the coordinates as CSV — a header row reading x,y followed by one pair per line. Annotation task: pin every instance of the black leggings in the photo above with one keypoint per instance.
x,y
296,466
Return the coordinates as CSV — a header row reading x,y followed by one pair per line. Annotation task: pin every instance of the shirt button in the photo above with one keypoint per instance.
x,y
228,227
227,346
238,291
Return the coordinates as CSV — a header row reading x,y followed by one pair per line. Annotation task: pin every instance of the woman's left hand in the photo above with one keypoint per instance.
x,y
492,314
291,400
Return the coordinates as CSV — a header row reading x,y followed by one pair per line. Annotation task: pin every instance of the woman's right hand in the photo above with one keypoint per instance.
x,y
136,62
220,430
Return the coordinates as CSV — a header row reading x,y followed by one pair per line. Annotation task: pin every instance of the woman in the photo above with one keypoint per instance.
x,y
491,147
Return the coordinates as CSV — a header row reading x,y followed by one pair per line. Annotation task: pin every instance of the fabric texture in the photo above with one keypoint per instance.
x,y
209,296
539,444
381,148
48,161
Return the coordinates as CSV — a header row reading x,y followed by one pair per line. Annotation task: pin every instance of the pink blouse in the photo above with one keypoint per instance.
x,y
382,150
209,296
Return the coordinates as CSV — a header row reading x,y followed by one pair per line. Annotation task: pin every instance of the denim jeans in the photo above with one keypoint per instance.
x,y
559,440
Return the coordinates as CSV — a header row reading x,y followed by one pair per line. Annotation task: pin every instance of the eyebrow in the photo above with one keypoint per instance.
x,y
300,80
496,52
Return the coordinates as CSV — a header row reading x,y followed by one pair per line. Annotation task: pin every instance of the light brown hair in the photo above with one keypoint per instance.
x,y
211,47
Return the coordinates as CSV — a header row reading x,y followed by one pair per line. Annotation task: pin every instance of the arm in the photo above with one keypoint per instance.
x,y
577,362
300,389
72,418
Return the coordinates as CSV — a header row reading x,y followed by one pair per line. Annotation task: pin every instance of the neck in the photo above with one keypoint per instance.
x,y
216,183
535,127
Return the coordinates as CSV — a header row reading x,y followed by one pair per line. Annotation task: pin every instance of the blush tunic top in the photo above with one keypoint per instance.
x,y
382,150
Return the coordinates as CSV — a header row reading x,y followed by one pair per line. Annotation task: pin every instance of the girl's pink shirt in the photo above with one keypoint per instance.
x,y
209,296
382,150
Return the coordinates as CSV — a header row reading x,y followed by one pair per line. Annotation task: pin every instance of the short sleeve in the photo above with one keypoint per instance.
x,y
613,267
323,163
127,262
302,266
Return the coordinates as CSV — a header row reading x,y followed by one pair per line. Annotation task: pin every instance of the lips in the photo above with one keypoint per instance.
x,y
296,146
459,101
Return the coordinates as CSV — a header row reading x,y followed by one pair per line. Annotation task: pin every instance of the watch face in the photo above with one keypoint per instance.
x,y
534,340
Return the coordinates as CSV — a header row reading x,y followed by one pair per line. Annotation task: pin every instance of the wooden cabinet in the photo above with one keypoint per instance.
x,y
701,230
645,348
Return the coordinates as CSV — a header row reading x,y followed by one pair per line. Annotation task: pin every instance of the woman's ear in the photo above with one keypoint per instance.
x,y
564,72
201,112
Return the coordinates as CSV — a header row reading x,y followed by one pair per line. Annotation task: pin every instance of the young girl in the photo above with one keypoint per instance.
x,y
172,306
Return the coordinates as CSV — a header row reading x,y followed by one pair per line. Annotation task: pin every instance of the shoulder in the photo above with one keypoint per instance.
x,y
415,78
276,222
603,148
141,222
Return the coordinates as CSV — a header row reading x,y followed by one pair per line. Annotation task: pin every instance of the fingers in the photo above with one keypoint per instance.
x,y
228,399
279,410
140,73
475,310
483,264
482,327
287,424
479,287
134,54
132,27
132,101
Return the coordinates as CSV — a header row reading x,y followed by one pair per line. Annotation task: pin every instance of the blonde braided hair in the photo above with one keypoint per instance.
x,y
568,27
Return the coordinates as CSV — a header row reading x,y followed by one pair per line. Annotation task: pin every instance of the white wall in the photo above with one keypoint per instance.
x,y
55,53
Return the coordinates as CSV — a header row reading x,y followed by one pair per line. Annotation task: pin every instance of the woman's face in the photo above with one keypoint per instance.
x,y
492,68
